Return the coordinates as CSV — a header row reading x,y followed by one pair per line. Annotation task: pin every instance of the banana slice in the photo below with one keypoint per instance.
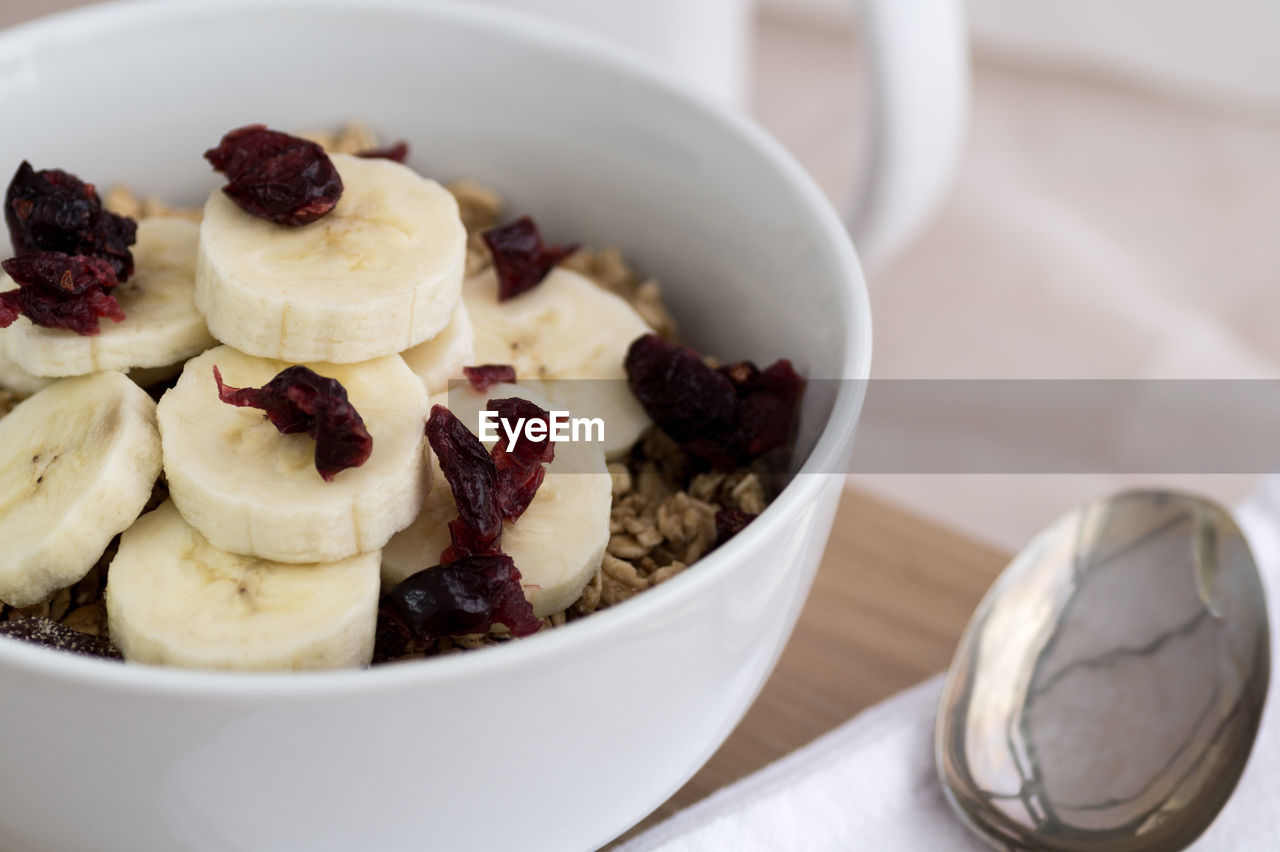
x,y
251,490
19,381
572,333
12,377
442,358
161,325
77,464
377,275
557,543
175,599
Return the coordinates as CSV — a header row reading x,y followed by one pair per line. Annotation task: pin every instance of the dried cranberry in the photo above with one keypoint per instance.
x,y
476,586
468,595
730,522
520,258
399,152
520,469
299,400
60,291
781,380
764,424
390,639
473,479
275,176
679,391
726,417
767,409
55,211
486,376
69,275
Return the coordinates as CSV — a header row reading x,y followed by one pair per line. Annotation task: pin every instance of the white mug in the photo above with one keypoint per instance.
x,y
917,64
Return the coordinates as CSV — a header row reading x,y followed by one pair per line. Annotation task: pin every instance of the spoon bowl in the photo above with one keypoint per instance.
x,y
1106,694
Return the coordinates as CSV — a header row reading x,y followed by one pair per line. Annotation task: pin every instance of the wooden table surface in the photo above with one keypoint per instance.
x,y
887,607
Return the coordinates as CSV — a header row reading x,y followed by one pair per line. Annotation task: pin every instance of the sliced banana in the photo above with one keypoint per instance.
x,y
571,333
440,359
77,464
161,325
175,599
12,377
377,275
558,543
251,490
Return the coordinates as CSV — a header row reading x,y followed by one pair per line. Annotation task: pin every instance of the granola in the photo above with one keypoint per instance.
x,y
663,519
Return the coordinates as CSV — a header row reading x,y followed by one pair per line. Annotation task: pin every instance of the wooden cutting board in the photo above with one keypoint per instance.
x,y
887,607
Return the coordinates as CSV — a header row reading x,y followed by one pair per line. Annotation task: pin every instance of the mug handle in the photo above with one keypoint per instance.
x,y
918,64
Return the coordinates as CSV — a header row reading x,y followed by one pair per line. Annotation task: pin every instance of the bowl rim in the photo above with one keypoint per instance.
x,y
827,456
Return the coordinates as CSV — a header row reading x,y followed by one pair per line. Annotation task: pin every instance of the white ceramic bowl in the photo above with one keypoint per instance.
x,y
557,742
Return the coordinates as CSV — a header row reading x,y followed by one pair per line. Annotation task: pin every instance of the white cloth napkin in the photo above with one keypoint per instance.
x,y
871,784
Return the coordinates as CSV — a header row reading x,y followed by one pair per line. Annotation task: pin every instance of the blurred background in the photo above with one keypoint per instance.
x,y
1113,215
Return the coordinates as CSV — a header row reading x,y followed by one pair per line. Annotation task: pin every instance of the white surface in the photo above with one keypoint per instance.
x,y
1094,230
871,783
557,742
1219,51
1225,50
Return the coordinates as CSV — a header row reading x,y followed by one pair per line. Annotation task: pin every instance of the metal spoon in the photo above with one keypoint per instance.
x,y
1107,692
